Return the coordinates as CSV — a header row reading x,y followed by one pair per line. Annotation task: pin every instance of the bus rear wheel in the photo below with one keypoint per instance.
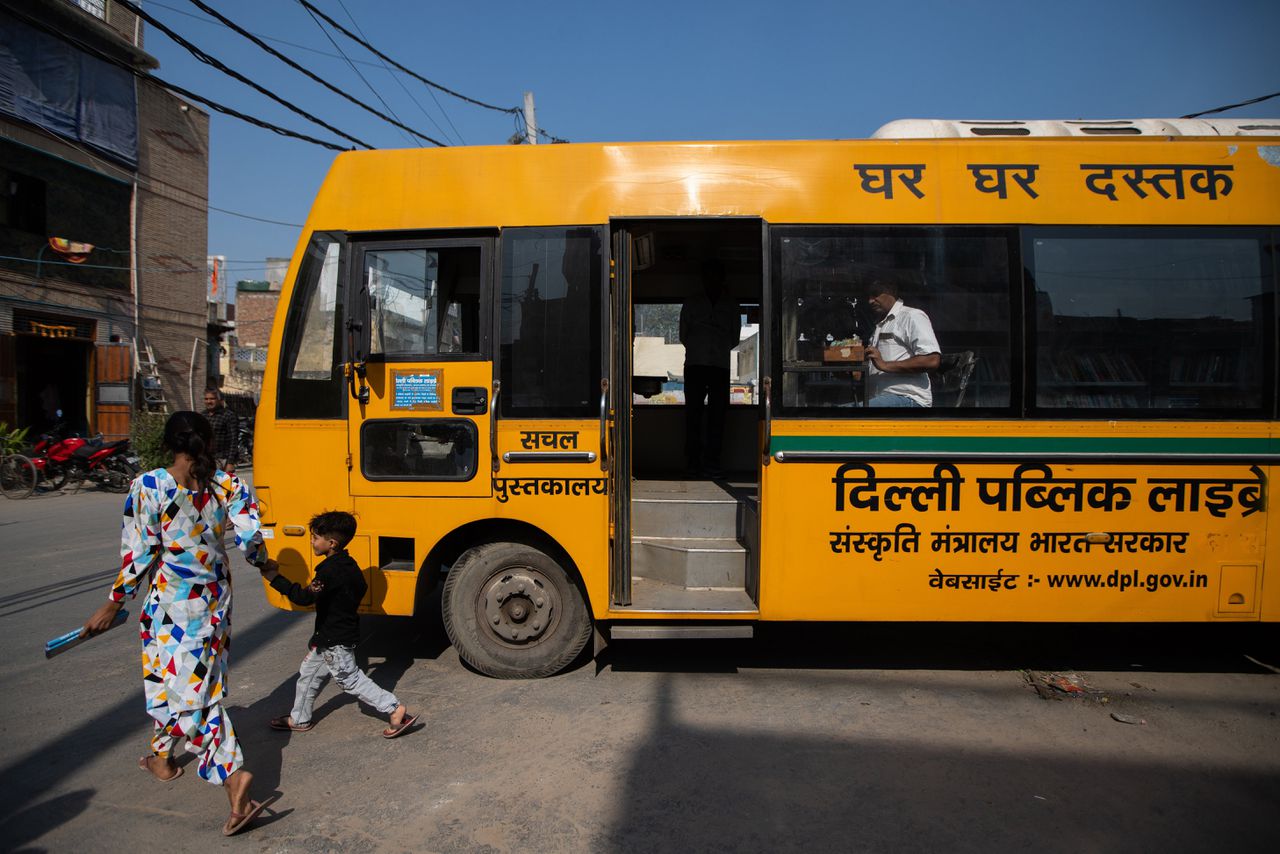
x,y
513,612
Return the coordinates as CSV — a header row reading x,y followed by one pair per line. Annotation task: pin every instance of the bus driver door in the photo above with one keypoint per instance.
x,y
420,369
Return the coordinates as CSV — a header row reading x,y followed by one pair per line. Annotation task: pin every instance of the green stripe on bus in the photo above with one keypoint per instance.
x,y
1028,444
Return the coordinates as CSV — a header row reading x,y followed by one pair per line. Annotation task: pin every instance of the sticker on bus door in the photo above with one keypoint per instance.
x,y
418,391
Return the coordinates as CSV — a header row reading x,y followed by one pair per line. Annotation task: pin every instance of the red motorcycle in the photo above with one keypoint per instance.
x,y
64,457
53,452
109,464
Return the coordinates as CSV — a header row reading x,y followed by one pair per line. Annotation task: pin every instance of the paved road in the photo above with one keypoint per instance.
x,y
807,738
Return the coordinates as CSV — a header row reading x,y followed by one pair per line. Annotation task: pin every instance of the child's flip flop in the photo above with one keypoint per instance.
x,y
285,725
393,732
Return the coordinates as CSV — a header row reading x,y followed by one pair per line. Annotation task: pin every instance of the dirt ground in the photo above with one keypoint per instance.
x,y
813,738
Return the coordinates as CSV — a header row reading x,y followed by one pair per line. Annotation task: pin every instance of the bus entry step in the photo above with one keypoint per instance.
x,y
728,630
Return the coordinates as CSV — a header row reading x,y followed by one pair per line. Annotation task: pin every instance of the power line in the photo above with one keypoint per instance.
x,y
214,105
331,22
357,71
274,39
146,180
542,133
47,262
287,61
220,66
255,218
405,89
1232,106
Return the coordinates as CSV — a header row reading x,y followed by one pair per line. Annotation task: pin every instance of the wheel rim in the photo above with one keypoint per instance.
x,y
520,606
17,476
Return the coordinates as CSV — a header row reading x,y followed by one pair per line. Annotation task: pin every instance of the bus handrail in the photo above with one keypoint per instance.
x,y
767,385
604,416
494,460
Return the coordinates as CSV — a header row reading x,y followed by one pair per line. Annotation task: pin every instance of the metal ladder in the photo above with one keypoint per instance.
x,y
153,399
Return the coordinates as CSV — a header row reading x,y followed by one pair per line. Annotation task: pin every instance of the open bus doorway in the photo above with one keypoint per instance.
x,y
689,525
670,261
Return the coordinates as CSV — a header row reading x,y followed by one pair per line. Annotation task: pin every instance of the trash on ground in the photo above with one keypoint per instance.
x,y
1056,686
1128,719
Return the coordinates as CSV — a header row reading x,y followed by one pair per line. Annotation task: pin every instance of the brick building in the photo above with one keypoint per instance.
x,y
103,220
256,303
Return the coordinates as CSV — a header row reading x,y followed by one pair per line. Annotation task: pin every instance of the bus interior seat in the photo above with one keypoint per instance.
x,y
951,378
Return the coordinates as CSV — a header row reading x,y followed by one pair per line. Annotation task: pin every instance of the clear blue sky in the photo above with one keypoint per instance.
x,y
750,69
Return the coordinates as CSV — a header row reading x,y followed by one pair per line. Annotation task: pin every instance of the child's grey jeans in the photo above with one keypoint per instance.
x,y
341,662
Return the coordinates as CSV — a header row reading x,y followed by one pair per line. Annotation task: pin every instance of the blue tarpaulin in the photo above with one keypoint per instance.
x,y
57,86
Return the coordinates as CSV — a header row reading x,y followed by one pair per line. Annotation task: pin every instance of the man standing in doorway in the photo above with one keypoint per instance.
x,y
901,350
226,430
710,325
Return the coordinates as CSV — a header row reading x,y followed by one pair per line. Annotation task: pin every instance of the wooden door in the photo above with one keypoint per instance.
x,y
113,390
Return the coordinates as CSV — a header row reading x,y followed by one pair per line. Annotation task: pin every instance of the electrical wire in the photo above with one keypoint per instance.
x,y
146,179
331,22
391,73
255,218
220,66
225,110
1232,106
347,59
214,13
49,262
202,19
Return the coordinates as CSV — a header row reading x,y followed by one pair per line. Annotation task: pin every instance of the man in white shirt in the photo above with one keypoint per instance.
x,y
710,326
901,351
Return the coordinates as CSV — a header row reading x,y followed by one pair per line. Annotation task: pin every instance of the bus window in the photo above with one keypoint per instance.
x,y
423,302
1143,319
310,374
955,284
551,322
418,449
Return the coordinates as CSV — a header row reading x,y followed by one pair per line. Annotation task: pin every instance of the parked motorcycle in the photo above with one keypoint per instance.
x,y
245,451
63,457
53,452
110,465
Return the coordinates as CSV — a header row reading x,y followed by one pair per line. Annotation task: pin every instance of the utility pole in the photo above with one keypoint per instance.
x,y
530,123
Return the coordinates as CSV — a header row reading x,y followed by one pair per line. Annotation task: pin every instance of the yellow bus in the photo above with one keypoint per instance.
x,y
478,353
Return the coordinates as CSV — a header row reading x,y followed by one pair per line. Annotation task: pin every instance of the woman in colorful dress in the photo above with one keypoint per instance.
x,y
173,522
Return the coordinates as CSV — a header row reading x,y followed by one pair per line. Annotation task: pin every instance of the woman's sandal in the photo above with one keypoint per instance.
x,y
144,764
239,821
283,724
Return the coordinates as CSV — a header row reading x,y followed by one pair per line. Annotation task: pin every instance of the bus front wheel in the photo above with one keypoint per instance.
x,y
513,612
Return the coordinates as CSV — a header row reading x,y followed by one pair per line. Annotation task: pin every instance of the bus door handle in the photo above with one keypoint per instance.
x,y
767,385
354,370
494,460
604,420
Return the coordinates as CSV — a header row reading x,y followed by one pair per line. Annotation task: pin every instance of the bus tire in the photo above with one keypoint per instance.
x,y
512,612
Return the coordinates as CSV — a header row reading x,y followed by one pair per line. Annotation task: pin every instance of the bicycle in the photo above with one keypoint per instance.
x,y
18,476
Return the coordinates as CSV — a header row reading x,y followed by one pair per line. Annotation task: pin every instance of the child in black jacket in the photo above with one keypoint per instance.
x,y
337,591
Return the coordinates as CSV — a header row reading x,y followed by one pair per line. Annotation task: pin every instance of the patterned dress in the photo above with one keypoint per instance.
x,y
186,618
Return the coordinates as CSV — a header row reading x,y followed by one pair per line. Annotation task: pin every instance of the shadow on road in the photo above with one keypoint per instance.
x,y
27,779
1193,648
700,788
